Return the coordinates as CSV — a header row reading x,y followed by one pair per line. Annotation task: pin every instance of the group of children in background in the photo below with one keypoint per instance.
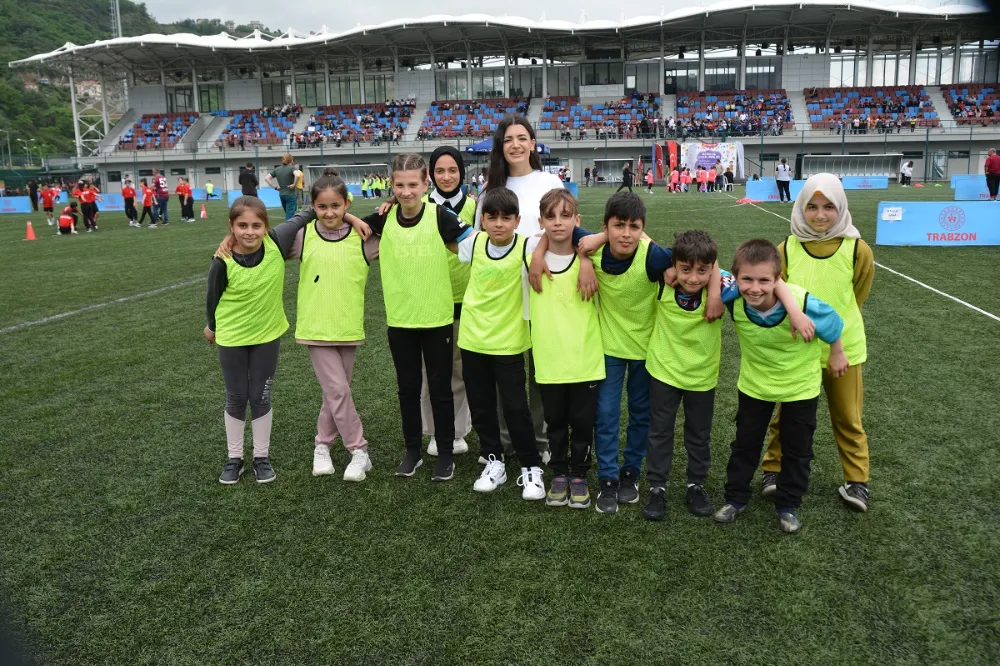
x,y
86,194
373,186
654,331
713,179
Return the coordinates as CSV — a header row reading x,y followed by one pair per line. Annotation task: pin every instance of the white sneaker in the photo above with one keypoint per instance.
x,y
360,463
546,457
483,461
322,464
494,475
458,446
532,482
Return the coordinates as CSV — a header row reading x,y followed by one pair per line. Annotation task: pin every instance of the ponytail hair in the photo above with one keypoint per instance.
x,y
330,180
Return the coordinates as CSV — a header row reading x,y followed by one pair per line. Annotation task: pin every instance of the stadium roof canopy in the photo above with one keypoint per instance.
x,y
411,42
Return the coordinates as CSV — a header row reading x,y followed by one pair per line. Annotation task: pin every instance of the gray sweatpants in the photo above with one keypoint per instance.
x,y
664,401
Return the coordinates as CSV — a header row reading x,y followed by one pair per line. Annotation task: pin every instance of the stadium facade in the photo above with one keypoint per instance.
x,y
767,45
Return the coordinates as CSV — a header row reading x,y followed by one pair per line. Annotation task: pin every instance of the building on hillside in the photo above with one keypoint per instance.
x,y
88,88
31,85
230,25
256,25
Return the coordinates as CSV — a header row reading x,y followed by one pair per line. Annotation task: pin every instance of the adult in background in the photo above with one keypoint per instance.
x,y
626,178
515,164
586,176
248,181
283,179
992,169
33,194
783,176
162,196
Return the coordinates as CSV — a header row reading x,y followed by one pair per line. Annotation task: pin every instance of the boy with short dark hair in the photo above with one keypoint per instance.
x,y
493,336
775,368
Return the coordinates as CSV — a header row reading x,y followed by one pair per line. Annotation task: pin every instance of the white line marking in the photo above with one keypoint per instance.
x,y
902,275
98,306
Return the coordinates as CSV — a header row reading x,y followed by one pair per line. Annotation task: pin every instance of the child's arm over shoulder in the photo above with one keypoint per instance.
x,y
284,234
466,246
800,322
864,271
829,324
658,260
453,231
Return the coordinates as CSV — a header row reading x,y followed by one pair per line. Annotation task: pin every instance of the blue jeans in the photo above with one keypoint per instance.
x,y
161,209
290,203
609,411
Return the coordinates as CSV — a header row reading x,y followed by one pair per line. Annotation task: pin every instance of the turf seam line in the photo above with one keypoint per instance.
x,y
902,275
98,306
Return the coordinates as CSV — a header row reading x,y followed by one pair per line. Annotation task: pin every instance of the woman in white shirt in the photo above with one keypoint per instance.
x,y
515,164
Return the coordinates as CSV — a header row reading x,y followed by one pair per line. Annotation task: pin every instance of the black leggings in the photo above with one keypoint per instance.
x,y
784,190
148,210
130,212
993,184
249,373
623,186
87,211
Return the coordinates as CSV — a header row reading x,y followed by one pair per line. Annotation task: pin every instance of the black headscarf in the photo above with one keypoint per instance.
x,y
455,155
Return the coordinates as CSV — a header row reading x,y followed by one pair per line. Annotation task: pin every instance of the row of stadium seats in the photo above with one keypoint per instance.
x,y
361,120
566,110
471,118
741,109
155,131
251,126
973,104
826,105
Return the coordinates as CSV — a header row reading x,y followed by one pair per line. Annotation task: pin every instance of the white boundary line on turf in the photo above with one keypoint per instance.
x,y
902,275
98,306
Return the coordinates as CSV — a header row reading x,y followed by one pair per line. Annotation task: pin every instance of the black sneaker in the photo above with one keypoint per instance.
x,y
231,471
656,507
768,484
855,495
411,461
697,501
444,468
607,499
628,487
263,471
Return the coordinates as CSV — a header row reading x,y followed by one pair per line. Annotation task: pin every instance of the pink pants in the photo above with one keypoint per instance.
x,y
337,416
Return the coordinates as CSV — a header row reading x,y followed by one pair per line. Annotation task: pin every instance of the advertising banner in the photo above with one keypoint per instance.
x,y
766,189
940,223
865,182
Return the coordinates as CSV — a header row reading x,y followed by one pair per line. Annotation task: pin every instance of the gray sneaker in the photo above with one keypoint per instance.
x,y
768,484
728,513
855,495
231,471
789,521
263,471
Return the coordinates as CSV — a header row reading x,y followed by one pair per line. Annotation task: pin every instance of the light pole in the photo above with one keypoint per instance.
x,y
27,153
10,160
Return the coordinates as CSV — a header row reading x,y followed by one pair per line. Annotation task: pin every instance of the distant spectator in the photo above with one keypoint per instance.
x,y
248,181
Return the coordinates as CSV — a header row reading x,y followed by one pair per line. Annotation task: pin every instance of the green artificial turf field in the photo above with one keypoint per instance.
x,y
120,547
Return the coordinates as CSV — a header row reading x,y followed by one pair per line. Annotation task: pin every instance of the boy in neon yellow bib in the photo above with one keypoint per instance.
x,y
775,368
493,336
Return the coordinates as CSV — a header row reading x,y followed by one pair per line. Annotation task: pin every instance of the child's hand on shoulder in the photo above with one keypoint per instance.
x,y
225,249
384,207
586,283
588,245
538,268
803,325
670,277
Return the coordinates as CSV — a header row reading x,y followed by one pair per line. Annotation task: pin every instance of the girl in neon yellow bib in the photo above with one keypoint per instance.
x,y
825,254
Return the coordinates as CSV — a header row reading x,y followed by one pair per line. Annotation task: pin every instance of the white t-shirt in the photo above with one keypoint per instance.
x,y
784,172
529,190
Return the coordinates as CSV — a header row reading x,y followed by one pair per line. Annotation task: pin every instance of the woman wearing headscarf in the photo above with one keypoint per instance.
x,y
825,254
447,173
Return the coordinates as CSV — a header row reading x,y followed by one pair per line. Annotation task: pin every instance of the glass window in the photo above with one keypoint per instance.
x,y
178,172
114,176
180,99
210,171
211,98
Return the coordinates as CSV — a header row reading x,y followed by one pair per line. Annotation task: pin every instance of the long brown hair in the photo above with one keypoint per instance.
x,y
499,171
252,204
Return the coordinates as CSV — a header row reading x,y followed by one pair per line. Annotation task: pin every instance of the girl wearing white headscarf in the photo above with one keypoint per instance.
x,y
825,254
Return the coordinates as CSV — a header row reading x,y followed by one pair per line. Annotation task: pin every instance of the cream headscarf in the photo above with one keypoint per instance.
x,y
829,186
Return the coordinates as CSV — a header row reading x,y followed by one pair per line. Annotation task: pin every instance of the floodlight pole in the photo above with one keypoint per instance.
x,y
663,66
326,77
701,62
361,69
76,118
104,104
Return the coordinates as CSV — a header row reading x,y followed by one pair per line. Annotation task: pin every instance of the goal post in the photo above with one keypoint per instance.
x,y
851,165
352,174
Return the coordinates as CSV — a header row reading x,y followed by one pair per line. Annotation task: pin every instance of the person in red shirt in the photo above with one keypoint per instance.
x,y
992,169
88,196
48,196
179,190
128,194
148,197
68,219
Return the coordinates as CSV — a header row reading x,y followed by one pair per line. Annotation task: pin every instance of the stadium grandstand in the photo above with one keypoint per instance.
x,y
825,77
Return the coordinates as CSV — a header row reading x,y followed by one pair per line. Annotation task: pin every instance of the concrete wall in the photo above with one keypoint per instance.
x,y
418,84
243,94
148,99
805,71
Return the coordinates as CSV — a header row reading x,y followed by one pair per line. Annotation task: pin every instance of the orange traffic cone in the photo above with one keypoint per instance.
x,y
30,235
204,213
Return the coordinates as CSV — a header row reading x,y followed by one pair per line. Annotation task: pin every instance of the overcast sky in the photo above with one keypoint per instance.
x,y
341,15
